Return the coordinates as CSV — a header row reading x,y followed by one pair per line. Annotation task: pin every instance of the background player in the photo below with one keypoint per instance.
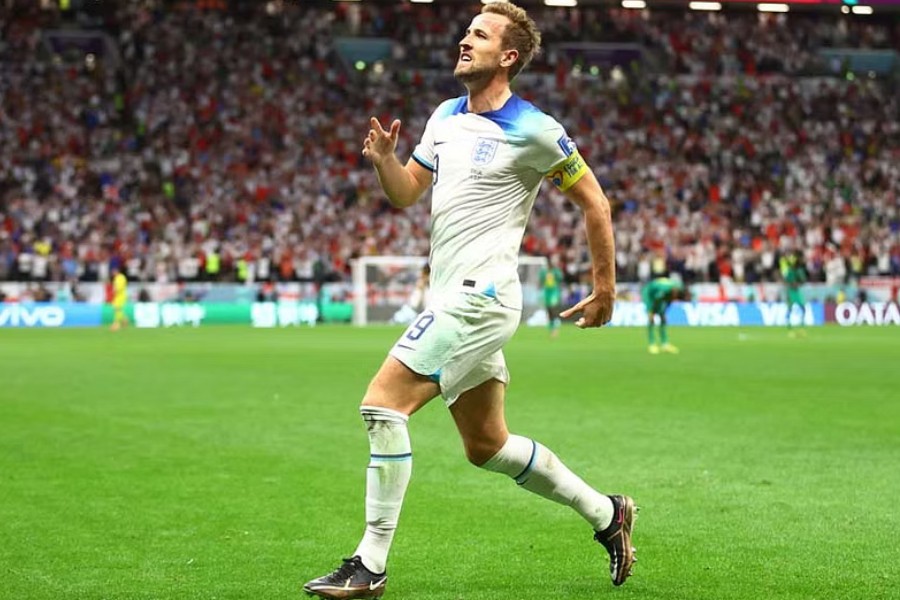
x,y
794,276
417,301
120,298
657,296
551,287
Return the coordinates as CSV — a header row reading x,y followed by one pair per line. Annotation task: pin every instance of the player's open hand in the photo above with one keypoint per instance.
x,y
596,310
380,144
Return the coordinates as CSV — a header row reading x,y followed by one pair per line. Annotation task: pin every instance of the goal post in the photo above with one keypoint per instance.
x,y
375,278
382,285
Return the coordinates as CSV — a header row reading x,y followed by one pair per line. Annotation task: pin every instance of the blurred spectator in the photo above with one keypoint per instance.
x,y
225,147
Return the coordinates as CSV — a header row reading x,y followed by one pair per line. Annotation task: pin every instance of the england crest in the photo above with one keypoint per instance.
x,y
484,151
566,145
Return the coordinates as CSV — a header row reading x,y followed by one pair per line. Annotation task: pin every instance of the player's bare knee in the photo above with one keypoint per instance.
x,y
399,398
479,452
375,396
382,389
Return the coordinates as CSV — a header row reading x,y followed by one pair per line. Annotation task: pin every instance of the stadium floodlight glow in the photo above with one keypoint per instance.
x,y
561,2
862,10
634,4
705,6
772,7
421,1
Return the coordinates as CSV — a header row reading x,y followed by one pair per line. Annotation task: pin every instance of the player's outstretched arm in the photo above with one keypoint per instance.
x,y
597,308
404,185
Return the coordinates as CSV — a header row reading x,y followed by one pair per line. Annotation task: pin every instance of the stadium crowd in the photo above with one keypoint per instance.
x,y
208,145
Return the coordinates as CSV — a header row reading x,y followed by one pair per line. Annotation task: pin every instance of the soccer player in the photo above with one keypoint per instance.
x,y
551,280
794,276
484,155
657,296
120,297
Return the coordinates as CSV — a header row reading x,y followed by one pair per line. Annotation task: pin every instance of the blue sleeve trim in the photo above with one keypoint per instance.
x,y
422,162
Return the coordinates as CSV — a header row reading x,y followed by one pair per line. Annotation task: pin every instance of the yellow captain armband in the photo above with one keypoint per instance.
x,y
568,172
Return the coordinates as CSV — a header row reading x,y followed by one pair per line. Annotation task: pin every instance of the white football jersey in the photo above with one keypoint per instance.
x,y
487,169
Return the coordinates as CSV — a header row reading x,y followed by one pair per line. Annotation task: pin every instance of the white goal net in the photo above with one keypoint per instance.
x,y
385,290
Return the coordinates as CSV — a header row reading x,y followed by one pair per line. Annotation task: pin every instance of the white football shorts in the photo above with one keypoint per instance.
x,y
458,342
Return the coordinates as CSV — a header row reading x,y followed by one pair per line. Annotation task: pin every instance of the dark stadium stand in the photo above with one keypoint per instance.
x,y
153,135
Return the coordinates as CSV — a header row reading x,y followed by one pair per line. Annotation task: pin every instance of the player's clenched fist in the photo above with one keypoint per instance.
x,y
380,143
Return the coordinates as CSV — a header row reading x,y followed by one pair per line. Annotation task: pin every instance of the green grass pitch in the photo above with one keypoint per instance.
x,y
229,463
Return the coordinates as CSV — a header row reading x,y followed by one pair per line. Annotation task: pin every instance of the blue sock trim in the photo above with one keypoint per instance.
x,y
523,476
392,457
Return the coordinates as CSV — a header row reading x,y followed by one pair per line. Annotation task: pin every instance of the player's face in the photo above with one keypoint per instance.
x,y
481,49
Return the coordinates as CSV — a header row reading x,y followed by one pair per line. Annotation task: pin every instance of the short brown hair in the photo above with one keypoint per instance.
x,y
521,34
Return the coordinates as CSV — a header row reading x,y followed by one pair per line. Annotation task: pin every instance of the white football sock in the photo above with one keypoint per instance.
x,y
538,470
387,477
